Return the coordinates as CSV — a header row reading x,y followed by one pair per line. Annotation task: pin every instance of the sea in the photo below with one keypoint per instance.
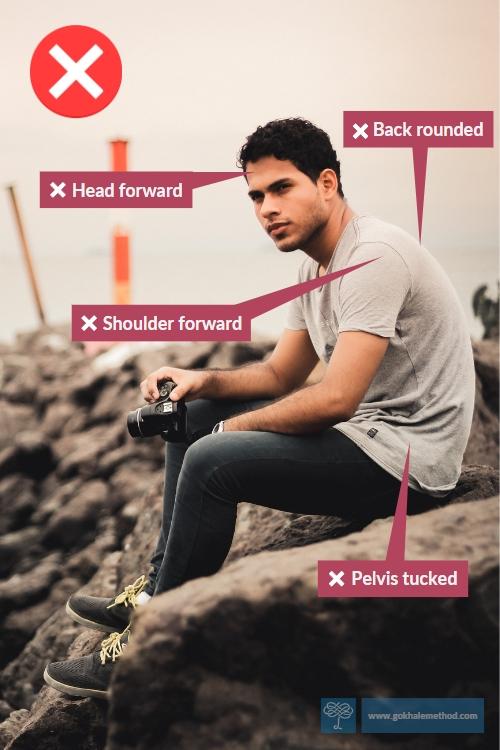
x,y
194,278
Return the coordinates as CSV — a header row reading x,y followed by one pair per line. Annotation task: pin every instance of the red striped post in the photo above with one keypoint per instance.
x,y
121,240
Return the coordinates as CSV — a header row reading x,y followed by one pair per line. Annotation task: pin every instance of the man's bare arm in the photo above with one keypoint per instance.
x,y
353,365
289,365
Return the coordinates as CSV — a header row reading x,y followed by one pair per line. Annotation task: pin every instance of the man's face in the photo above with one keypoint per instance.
x,y
290,207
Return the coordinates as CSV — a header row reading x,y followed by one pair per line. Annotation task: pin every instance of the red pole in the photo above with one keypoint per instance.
x,y
121,245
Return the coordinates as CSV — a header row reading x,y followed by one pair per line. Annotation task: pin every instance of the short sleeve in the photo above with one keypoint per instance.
x,y
295,320
371,297
295,316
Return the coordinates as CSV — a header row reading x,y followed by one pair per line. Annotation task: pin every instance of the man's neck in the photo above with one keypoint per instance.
x,y
323,247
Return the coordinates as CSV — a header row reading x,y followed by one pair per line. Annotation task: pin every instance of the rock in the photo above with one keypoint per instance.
x,y
140,544
22,679
72,523
80,453
14,418
235,354
240,659
56,417
12,726
21,625
16,546
86,562
110,462
25,588
55,496
47,339
259,528
12,363
476,482
23,387
88,387
5,710
83,720
30,455
131,480
8,461
114,403
34,455
56,720
17,502
483,441
486,355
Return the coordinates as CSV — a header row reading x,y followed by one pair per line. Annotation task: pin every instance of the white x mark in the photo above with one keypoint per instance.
x,y
75,71
360,130
57,189
336,578
89,322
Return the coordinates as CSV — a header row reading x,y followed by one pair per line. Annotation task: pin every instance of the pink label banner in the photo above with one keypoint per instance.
x,y
418,131
185,322
124,189
379,129
395,576
375,578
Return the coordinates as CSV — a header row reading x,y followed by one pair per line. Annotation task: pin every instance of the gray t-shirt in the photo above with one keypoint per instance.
x,y
422,395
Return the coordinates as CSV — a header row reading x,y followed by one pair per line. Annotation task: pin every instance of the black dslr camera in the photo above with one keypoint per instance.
x,y
165,417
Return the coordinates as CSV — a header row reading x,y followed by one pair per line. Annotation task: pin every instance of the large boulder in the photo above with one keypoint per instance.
x,y
241,659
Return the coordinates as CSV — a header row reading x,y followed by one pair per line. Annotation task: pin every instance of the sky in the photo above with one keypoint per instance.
x,y
199,77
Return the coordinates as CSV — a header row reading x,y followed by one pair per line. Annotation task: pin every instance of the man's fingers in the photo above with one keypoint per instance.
x,y
178,392
149,389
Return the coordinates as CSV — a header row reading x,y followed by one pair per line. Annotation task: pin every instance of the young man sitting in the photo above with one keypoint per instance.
x,y
399,373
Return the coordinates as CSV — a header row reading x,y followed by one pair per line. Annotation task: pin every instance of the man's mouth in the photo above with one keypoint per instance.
x,y
276,227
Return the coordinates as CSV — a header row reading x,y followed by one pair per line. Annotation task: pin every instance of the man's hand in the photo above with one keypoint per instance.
x,y
191,384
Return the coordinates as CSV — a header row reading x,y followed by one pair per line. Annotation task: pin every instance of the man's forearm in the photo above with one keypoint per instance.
x,y
257,380
307,410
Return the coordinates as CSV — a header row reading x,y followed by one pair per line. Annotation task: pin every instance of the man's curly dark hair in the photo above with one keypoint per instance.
x,y
293,139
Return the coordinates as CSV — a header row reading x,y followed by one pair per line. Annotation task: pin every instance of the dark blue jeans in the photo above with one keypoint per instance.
x,y
205,478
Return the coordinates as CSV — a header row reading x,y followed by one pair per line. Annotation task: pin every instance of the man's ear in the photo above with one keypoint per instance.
x,y
328,182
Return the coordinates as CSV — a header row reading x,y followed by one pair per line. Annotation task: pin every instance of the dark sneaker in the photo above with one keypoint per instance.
x,y
108,615
88,676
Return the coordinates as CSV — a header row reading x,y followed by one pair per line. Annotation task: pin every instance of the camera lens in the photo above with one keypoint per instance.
x,y
133,423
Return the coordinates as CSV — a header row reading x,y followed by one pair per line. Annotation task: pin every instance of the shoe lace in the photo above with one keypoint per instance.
x,y
129,594
112,647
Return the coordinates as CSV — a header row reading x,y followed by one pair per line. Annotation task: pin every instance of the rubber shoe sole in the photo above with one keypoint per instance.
x,y
72,690
88,623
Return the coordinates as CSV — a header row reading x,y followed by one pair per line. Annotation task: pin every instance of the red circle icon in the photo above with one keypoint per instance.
x,y
76,71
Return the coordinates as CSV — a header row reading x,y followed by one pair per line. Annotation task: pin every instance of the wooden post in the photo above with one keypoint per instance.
x,y
27,255
121,244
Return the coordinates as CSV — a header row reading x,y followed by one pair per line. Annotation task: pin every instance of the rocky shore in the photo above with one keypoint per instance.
x,y
240,659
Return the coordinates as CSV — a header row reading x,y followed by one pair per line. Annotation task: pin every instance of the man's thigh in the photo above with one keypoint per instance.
x,y
325,473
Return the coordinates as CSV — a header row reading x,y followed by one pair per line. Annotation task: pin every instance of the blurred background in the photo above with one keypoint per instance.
x,y
197,79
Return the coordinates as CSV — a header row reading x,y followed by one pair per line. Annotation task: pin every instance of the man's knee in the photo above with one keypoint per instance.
x,y
201,458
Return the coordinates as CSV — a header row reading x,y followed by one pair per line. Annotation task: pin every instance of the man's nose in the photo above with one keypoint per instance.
x,y
269,206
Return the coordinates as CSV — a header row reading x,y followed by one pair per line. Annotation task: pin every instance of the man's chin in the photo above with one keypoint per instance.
x,y
286,246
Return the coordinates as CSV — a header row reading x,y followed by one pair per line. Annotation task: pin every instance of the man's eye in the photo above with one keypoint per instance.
x,y
282,187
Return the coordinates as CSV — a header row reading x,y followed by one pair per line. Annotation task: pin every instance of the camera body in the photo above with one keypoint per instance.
x,y
165,417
